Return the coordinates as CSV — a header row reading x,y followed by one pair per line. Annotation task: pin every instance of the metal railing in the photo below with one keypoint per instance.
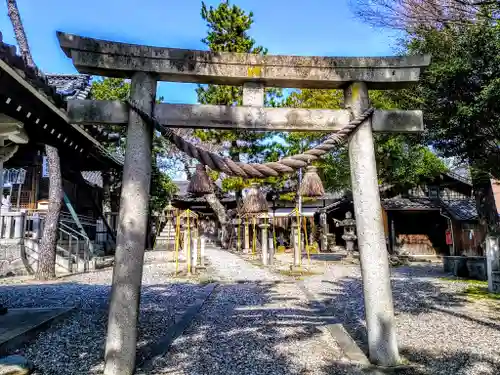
x,y
75,247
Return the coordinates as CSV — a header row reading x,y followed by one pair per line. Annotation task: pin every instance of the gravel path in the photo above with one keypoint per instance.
x,y
254,323
76,345
438,328
257,322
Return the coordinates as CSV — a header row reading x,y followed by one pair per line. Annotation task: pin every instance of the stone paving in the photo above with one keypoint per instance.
x,y
255,323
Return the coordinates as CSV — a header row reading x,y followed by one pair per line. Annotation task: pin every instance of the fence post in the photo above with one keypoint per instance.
x,y
492,262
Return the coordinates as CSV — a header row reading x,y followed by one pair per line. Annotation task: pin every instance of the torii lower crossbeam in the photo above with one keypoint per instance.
x,y
91,112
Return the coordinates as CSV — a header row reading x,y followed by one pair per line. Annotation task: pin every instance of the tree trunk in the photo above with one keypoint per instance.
x,y
22,41
47,255
217,207
485,200
106,187
221,213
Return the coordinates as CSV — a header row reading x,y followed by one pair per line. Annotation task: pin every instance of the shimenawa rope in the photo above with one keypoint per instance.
x,y
246,170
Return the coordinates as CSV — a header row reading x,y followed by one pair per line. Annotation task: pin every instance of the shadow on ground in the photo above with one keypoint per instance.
x,y
236,333
76,345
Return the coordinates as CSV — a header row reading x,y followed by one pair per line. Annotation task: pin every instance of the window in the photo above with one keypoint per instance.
x,y
45,167
433,192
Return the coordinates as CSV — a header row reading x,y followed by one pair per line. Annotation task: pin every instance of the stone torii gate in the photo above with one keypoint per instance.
x,y
146,65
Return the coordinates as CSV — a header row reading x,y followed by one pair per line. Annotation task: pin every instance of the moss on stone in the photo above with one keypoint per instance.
x,y
479,292
467,281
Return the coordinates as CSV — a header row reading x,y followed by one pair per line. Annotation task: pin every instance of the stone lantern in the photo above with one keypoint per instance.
x,y
167,234
349,235
169,214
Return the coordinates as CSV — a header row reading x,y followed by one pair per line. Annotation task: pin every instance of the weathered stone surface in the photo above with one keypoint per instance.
x,y
11,263
115,59
15,365
379,308
468,267
92,112
121,337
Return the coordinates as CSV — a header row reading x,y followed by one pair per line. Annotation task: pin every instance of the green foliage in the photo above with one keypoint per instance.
x,y
162,187
228,27
402,160
110,89
459,93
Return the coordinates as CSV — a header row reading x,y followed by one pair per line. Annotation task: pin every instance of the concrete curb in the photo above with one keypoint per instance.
x,y
148,354
346,343
20,338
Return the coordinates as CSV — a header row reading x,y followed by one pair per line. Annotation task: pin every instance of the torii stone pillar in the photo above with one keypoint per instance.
x,y
121,338
379,309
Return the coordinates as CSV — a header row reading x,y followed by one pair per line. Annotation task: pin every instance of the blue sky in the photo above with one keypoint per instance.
x,y
315,27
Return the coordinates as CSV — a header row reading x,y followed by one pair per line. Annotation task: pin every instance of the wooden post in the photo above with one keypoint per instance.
x,y
121,337
324,230
297,248
492,262
265,250
379,309
247,238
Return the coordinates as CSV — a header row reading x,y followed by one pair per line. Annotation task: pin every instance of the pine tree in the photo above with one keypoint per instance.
x,y
47,255
228,27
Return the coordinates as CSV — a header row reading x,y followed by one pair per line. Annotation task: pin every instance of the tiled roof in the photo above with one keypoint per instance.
x,y
192,198
62,88
71,86
77,86
461,209
8,54
410,204
93,177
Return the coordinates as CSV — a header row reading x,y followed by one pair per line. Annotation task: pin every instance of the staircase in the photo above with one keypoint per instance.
x,y
166,238
74,249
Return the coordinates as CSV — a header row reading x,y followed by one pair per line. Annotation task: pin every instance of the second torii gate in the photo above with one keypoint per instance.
x,y
146,65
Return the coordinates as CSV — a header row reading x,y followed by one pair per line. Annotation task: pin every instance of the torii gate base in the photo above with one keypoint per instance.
x,y
355,75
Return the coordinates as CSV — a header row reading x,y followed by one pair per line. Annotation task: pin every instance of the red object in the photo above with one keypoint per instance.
x,y
449,239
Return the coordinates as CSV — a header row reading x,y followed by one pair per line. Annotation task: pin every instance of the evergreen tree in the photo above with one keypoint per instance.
x,y
162,187
228,27
402,160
